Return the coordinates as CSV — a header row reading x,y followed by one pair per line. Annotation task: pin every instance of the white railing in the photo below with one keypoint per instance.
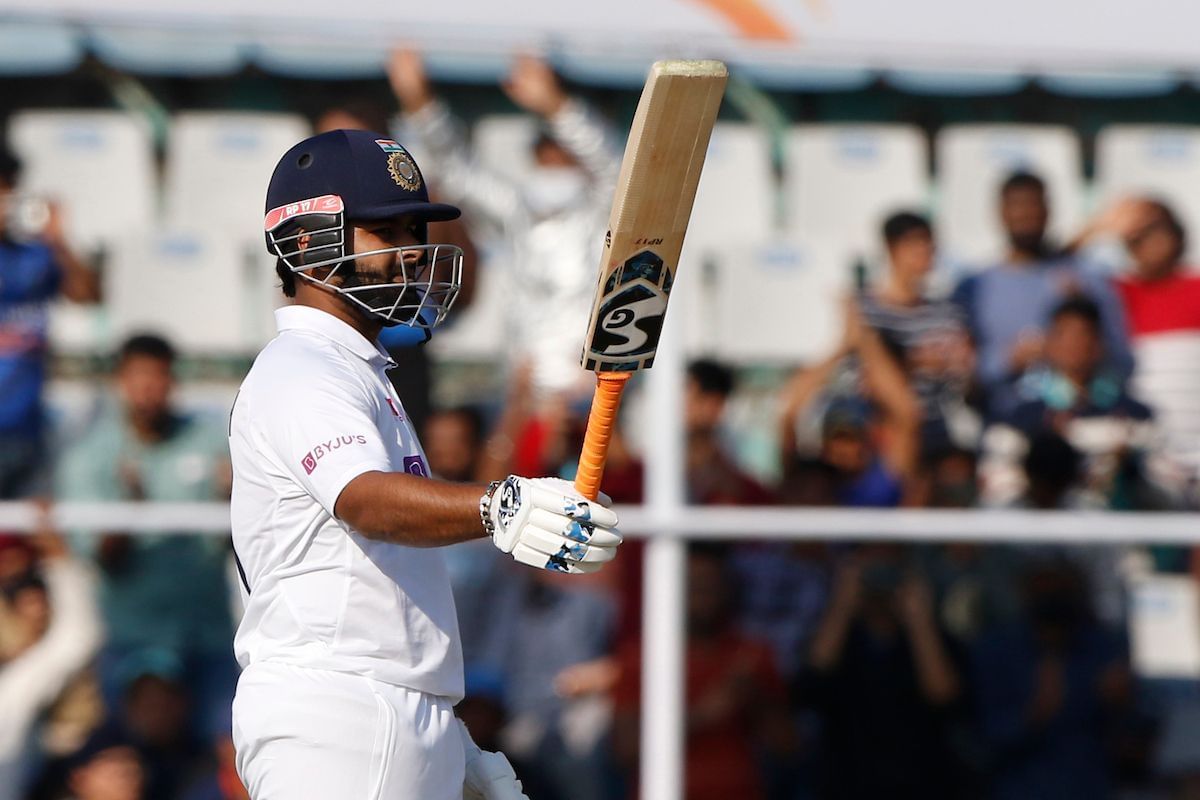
x,y
667,526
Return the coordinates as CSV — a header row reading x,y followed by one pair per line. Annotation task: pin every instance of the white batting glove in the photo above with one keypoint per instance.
x,y
488,775
545,523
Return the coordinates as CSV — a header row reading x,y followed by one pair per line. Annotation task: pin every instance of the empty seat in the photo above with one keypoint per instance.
x,y
735,201
195,286
99,167
218,167
775,301
1159,160
973,161
842,181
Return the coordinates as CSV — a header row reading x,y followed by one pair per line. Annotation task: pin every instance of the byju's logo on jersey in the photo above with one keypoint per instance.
x,y
413,465
313,457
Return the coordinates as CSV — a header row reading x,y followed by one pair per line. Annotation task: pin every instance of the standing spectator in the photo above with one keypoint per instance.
x,y
553,220
733,694
928,337
55,633
885,682
1007,305
869,437
1051,689
1071,394
712,476
167,590
35,267
1162,304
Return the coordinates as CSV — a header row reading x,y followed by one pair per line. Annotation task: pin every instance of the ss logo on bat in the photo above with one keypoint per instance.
x,y
630,318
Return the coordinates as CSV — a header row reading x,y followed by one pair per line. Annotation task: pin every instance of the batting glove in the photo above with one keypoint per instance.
x,y
488,775
545,523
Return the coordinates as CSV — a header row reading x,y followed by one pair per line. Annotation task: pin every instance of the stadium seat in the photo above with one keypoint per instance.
x,y
218,166
735,201
1160,160
972,162
843,180
195,286
99,166
776,301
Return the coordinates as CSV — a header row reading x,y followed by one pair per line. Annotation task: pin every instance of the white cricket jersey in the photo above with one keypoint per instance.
x,y
315,411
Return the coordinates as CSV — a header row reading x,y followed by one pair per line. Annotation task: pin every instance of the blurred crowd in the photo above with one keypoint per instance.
x,y
1045,380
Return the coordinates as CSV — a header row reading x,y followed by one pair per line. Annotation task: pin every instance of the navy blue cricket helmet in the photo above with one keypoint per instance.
x,y
328,182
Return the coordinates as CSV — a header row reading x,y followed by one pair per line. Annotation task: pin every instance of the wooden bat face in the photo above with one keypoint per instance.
x,y
651,208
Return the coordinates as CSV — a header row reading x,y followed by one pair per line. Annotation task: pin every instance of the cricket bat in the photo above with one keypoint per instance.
x,y
650,213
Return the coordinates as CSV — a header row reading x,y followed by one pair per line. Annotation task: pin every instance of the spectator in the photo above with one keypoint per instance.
x,y
553,220
223,783
155,712
733,694
35,267
1073,395
453,443
168,590
556,749
712,476
927,337
54,632
869,437
1051,689
1008,305
108,767
886,683
1162,303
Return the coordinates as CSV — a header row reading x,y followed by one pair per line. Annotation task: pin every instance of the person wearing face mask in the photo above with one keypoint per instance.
x,y
553,220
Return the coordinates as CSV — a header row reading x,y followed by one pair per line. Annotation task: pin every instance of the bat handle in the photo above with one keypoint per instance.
x,y
603,416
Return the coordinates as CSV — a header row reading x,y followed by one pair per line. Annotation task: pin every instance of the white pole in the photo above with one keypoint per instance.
x,y
663,580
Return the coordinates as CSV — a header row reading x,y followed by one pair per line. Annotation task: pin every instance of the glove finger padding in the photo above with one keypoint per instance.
x,y
525,554
552,544
545,523
573,529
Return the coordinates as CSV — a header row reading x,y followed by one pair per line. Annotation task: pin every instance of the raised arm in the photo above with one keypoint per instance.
x,y
460,178
532,85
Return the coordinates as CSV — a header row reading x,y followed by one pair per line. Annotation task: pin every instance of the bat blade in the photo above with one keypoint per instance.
x,y
650,213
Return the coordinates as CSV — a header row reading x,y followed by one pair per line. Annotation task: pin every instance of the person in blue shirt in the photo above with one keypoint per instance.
x,y
1007,305
35,267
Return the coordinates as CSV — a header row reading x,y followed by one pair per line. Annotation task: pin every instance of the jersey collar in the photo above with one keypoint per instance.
x,y
314,320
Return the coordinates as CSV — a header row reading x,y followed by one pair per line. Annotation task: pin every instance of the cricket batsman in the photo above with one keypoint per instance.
x,y
349,644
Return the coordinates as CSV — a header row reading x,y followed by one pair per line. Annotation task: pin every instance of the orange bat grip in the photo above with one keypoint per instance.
x,y
603,416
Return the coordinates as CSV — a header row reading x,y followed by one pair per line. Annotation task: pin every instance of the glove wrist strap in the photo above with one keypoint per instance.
x,y
485,508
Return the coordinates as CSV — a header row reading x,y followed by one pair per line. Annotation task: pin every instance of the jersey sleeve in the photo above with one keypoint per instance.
x,y
325,436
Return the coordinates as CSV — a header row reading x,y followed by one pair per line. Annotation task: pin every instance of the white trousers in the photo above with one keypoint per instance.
x,y
306,734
